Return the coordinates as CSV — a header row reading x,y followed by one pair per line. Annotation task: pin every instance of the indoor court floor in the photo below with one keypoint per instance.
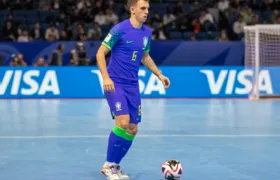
x,y
213,139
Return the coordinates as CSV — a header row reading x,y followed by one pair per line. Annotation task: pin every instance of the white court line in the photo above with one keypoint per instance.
x,y
147,136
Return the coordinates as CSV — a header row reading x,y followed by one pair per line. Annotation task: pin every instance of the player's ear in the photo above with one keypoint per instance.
x,y
132,10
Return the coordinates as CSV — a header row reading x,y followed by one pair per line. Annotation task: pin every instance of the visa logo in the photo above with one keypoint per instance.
x,y
237,82
18,82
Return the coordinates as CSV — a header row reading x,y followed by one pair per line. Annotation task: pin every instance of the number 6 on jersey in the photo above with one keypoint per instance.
x,y
134,55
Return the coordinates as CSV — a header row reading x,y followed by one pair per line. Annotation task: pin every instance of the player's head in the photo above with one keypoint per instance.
x,y
139,9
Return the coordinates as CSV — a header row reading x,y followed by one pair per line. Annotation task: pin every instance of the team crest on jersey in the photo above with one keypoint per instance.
x,y
145,41
118,106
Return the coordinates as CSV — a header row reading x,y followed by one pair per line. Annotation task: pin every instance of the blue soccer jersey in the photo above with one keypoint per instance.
x,y
127,45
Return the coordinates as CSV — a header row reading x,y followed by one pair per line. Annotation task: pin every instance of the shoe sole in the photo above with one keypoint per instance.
x,y
108,177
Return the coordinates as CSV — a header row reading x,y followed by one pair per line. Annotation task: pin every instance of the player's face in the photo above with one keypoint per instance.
x,y
141,10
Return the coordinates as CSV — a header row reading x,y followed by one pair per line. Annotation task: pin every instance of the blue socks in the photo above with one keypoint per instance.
x,y
119,144
127,142
114,144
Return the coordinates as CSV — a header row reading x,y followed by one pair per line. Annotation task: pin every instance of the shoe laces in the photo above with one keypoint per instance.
x,y
118,168
113,169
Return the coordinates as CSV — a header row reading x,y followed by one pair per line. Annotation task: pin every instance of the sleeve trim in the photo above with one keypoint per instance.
x,y
106,45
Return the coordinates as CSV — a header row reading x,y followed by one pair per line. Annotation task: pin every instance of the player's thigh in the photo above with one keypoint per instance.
x,y
118,106
122,121
117,101
134,105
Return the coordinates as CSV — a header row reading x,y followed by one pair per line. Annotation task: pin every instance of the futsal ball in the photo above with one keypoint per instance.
x,y
172,170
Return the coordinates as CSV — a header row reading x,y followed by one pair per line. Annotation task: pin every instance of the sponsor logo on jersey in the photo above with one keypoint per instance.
x,y
108,38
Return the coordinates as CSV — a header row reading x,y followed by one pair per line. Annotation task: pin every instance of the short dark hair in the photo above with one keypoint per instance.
x,y
132,2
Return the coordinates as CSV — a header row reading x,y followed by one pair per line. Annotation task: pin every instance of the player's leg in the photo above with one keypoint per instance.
x,y
118,106
129,137
116,137
134,106
130,134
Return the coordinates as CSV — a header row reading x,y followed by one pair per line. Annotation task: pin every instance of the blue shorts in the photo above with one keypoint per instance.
x,y
125,100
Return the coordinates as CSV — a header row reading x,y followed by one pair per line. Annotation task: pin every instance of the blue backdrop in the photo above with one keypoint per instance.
x,y
186,82
165,53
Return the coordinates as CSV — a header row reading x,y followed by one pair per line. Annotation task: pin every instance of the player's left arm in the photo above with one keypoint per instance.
x,y
150,64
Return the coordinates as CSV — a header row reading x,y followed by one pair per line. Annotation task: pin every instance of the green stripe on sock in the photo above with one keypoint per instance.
x,y
122,133
129,137
119,131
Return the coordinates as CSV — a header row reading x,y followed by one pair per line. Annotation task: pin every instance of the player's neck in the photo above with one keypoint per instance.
x,y
136,24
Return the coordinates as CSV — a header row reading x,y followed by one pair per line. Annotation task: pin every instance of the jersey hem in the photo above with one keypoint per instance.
x,y
125,82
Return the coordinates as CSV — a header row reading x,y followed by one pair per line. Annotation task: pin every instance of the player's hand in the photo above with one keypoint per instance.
x,y
164,80
108,85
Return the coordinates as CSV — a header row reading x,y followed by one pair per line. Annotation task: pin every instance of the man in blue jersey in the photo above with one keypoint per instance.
x,y
129,43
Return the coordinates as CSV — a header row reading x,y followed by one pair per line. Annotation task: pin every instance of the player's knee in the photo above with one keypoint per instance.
x,y
122,121
132,129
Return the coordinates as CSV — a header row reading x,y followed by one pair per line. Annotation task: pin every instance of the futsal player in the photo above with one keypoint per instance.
x,y
129,43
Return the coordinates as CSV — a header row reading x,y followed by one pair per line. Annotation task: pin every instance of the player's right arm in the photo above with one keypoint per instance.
x,y
108,43
108,84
